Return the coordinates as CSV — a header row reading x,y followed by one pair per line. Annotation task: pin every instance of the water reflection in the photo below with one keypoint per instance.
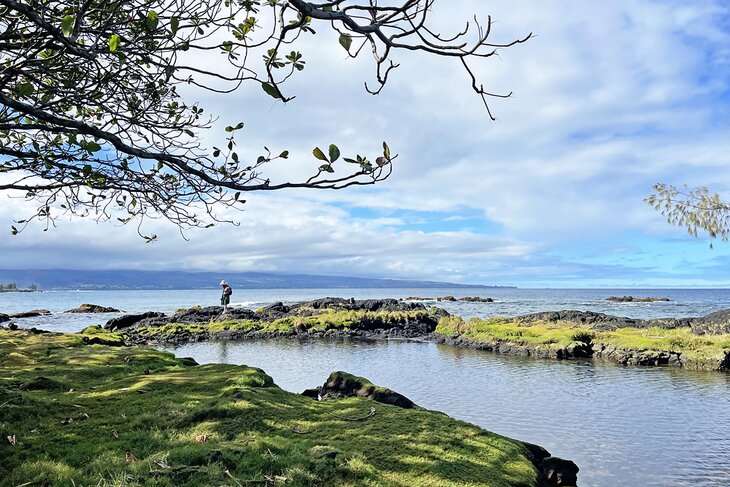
x,y
622,426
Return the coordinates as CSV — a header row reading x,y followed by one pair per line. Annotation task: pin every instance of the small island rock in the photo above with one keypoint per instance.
x,y
632,299
93,308
31,314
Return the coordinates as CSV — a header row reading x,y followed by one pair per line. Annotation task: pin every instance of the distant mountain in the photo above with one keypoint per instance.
x,y
47,279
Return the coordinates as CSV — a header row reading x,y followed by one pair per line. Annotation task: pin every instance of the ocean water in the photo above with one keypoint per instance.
x,y
648,427
508,302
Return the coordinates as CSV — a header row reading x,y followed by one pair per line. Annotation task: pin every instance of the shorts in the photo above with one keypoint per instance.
x,y
225,300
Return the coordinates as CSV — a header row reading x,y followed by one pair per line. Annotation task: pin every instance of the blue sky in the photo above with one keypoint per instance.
x,y
609,98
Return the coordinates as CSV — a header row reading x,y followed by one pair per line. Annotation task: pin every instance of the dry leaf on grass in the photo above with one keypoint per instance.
x,y
83,416
66,421
130,457
201,438
115,434
11,439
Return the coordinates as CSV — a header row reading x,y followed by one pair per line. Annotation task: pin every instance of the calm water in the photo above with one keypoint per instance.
x,y
624,426
508,302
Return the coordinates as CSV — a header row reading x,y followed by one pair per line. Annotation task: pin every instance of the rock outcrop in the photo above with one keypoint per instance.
x,y
715,323
632,299
598,321
476,299
31,314
93,308
129,320
341,384
552,471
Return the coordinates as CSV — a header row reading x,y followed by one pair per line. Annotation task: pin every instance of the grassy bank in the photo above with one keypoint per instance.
x,y
707,351
96,415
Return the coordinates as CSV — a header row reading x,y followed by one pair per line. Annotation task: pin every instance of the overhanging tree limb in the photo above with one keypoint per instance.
x,y
92,123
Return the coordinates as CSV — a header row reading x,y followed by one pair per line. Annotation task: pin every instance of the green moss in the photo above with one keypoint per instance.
x,y
97,335
698,350
189,425
705,348
307,319
503,330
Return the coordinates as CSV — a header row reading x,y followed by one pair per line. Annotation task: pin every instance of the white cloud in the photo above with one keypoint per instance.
x,y
609,97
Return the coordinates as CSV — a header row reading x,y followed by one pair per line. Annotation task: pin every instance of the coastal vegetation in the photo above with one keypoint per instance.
x,y
567,338
75,413
306,320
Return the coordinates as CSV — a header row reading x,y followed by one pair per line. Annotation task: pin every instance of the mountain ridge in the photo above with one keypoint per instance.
x,y
61,279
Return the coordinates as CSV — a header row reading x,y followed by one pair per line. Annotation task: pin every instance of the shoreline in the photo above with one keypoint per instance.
x,y
91,405
693,343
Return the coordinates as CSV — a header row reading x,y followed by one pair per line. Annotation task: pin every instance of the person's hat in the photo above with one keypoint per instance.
x,y
224,283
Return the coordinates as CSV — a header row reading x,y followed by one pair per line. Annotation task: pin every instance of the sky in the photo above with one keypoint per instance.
x,y
609,98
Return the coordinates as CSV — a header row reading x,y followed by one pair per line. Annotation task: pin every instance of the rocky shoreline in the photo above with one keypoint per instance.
x,y
590,335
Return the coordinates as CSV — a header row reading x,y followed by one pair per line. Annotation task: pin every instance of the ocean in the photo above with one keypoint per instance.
x,y
507,302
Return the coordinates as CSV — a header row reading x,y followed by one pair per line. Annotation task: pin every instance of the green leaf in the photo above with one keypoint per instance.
x,y
87,170
319,154
25,89
113,43
152,20
271,90
334,153
386,151
326,168
346,41
67,25
174,25
284,154
93,147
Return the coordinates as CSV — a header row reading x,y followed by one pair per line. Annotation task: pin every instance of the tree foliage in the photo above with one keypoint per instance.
x,y
93,122
694,209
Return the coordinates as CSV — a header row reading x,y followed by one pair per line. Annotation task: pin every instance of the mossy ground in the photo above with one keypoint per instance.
x,y
308,320
699,350
154,422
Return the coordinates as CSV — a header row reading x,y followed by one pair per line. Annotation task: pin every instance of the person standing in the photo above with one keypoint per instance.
x,y
226,296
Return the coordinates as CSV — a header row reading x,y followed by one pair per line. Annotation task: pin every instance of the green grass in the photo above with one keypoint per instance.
x,y
147,403
308,320
503,330
706,350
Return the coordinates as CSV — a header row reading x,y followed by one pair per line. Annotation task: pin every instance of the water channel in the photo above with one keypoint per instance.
x,y
622,425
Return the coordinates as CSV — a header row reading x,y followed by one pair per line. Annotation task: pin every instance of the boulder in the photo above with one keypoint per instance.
x,y
196,314
553,471
717,323
446,298
4,317
93,308
273,311
31,314
128,320
342,384
560,472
